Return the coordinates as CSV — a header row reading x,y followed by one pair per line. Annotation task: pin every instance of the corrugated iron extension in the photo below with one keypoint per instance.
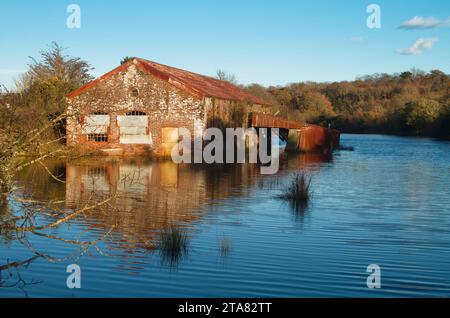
x,y
170,98
302,137
318,139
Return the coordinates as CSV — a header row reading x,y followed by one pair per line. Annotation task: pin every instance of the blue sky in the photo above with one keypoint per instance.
x,y
267,42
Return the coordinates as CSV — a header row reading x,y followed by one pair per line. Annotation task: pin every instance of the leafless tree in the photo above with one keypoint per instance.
x,y
227,77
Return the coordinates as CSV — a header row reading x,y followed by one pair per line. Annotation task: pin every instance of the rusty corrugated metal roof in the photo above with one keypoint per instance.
x,y
269,121
196,84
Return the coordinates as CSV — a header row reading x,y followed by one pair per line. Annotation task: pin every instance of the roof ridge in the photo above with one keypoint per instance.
x,y
194,83
186,71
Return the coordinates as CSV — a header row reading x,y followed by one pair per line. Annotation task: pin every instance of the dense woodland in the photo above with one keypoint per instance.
x,y
412,103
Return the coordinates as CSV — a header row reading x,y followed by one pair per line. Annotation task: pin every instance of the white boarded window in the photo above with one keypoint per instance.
x,y
96,124
133,128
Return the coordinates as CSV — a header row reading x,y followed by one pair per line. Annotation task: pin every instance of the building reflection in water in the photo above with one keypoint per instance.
x,y
150,197
153,196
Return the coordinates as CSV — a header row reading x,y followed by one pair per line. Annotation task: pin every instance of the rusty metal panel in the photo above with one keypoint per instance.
x,y
268,121
312,138
316,138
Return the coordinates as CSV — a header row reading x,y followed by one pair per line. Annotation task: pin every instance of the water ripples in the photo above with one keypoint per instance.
x,y
385,203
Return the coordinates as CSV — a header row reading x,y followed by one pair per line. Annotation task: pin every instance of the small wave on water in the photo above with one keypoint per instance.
x,y
385,203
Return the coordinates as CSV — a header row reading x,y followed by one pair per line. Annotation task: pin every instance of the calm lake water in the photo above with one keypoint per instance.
x,y
386,203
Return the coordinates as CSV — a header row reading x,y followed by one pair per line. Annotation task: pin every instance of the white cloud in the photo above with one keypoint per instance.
x,y
357,39
424,23
419,46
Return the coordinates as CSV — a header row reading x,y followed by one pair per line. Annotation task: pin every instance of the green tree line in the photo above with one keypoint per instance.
x,y
410,103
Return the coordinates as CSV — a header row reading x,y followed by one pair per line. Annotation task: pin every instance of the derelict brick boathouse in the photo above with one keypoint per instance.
x,y
139,106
